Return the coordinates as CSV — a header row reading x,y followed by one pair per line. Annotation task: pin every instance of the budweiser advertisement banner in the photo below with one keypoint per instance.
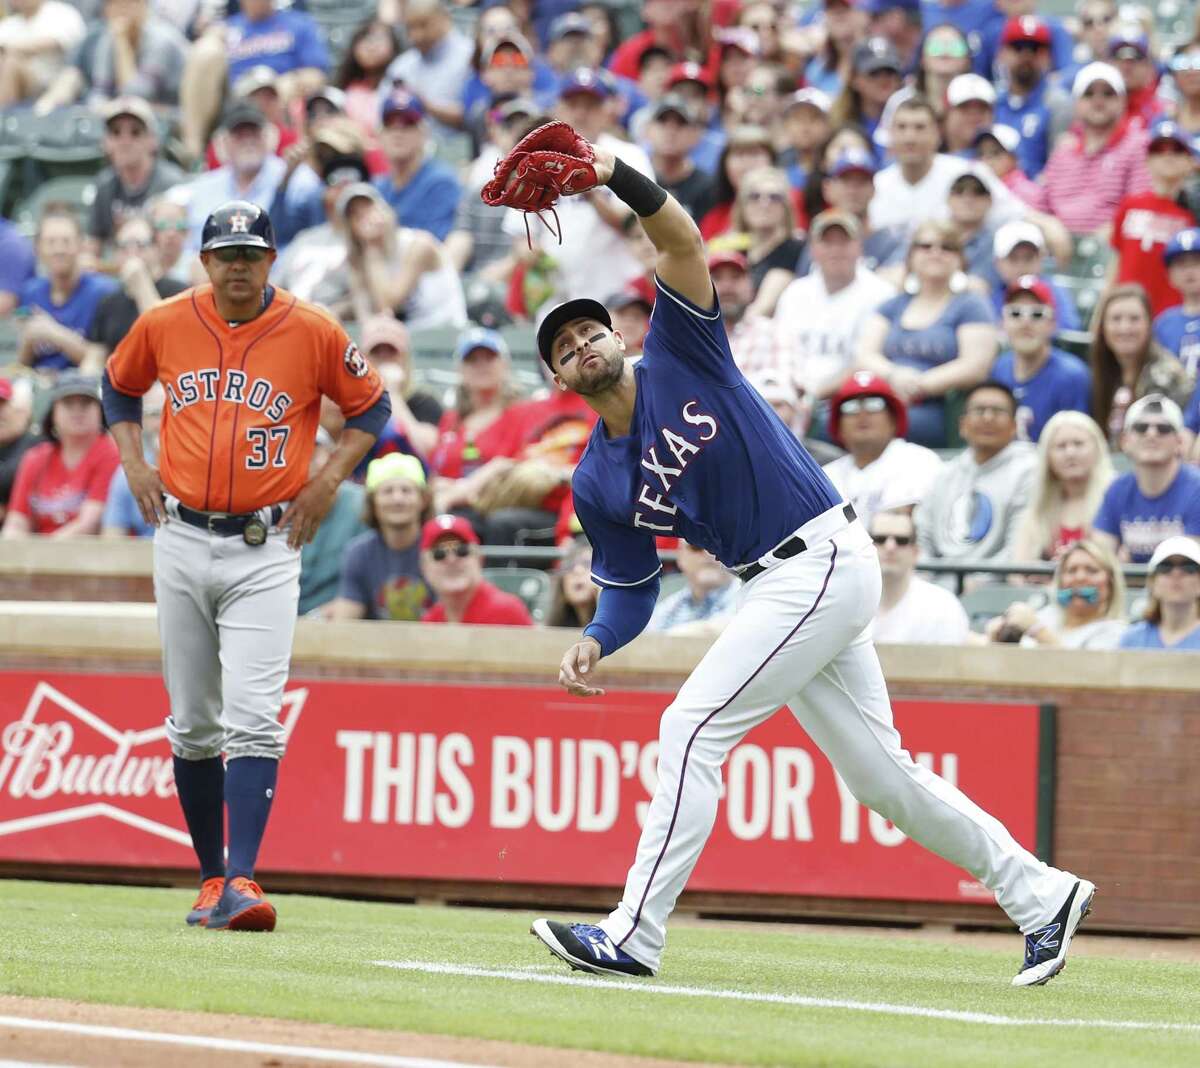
x,y
491,783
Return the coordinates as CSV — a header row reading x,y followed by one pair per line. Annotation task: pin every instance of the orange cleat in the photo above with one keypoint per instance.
x,y
210,894
242,907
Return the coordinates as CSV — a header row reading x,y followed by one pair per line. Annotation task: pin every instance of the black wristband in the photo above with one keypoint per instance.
x,y
636,190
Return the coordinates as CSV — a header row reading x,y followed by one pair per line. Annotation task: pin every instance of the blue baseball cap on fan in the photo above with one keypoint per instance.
x,y
584,80
1183,242
402,102
1169,130
479,337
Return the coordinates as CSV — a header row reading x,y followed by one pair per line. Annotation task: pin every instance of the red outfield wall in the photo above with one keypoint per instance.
x,y
497,783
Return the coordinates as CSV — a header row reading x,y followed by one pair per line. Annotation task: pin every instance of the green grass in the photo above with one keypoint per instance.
x,y
128,946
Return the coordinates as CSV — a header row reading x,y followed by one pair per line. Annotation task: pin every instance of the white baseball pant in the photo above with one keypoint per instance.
x,y
801,637
226,617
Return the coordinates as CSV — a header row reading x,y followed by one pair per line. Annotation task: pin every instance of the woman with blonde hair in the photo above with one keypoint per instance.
x,y
1087,610
1127,363
935,337
763,213
1073,472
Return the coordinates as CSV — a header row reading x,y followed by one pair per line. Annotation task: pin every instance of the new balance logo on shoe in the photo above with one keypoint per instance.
x,y
1041,942
1046,948
603,945
586,948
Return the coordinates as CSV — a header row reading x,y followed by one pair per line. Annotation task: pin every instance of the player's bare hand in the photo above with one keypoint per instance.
x,y
577,667
147,489
305,514
605,161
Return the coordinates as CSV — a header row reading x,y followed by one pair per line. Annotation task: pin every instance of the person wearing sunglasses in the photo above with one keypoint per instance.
x,y
453,566
1172,616
946,53
1184,68
1160,497
143,285
1086,610
1129,51
168,215
1044,379
764,216
912,611
1146,222
880,469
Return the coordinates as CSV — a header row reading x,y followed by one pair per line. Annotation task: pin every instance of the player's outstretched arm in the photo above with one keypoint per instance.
x,y
681,261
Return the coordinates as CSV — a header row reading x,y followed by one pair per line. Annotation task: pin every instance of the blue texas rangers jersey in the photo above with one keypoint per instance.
x,y
706,458
1062,382
1179,333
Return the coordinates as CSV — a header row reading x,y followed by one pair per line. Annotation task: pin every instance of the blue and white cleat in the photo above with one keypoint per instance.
x,y
1046,948
586,948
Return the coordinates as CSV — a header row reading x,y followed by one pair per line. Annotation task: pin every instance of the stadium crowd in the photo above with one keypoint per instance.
x,y
956,244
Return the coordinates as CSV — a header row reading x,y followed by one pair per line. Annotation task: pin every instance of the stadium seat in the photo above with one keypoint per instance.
x,y
71,136
10,340
522,343
1077,342
1084,291
341,12
77,190
531,585
435,346
1091,258
991,599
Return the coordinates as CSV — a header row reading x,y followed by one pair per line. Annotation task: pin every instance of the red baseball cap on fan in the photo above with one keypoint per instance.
x,y
443,526
1026,28
1034,286
5,389
688,72
865,384
728,258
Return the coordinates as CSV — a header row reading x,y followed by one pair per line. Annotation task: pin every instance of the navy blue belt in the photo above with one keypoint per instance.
x,y
794,546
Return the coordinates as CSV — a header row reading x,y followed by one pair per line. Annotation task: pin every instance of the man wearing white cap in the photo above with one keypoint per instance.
x,y
1172,618
970,104
1019,250
1100,161
1160,497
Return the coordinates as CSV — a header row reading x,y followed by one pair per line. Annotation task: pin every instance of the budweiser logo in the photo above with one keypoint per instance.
x,y
52,752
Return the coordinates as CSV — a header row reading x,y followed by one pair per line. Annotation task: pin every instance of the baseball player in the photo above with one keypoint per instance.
x,y
244,367
684,446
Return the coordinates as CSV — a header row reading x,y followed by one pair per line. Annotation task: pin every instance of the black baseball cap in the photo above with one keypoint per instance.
x,y
581,308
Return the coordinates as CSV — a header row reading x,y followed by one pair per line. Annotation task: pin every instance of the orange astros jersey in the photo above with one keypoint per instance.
x,y
242,402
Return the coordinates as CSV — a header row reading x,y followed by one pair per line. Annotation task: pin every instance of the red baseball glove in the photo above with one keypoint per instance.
x,y
547,163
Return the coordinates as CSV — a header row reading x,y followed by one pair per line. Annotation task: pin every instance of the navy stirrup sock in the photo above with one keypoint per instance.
x,y
201,788
249,790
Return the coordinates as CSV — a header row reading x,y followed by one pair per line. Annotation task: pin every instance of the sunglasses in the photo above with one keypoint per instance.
x,y
179,225
760,194
1087,594
1030,47
862,404
1178,563
947,50
1089,21
1035,312
233,253
461,550
126,246
929,246
902,540
508,59
1187,62
1161,429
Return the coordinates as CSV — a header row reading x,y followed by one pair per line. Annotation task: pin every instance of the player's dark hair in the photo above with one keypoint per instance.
x,y
999,387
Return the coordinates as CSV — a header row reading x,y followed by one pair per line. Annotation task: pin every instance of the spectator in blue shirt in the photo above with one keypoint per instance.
x,y
423,192
61,305
435,66
1059,41
1019,249
970,17
1024,62
1160,497
287,41
1172,620
16,266
122,516
1178,329
706,602
1043,379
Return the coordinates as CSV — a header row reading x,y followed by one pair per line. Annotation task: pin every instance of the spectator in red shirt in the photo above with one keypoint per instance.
x,y
1101,161
453,567
62,484
1146,222
664,22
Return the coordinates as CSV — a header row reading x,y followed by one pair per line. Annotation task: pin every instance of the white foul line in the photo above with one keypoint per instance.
x,y
231,1045
638,986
